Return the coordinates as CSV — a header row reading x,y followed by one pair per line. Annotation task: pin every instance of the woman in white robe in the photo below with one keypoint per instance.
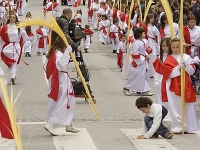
x,y
95,7
61,106
12,45
21,4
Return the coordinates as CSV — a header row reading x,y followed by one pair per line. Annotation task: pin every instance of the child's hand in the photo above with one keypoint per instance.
x,y
141,137
186,45
147,57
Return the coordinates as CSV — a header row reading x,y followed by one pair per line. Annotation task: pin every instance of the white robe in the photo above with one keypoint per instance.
x,y
152,33
137,75
3,16
104,37
78,16
12,50
42,50
70,2
86,41
122,47
21,10
55,10
96,7
57,110
27,47
115,42
167,30
174,101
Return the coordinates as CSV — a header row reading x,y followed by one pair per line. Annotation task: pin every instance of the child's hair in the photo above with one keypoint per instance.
x,y
104,16
59,44
162,19
87,26
142,102
103,3
28,15
115,21
173,40
28,29
79,11
138,16
167,40
134,27
123,36
138,32
73,21
191,17
149,16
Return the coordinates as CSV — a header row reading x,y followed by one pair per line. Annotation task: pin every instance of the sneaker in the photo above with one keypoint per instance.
x,y
12,81
168,135
127,93
72,129
147,93
50,128
155,135
38,53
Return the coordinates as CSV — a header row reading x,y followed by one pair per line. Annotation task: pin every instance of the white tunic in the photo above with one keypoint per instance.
x,y
167,30
95,7
104,37
55,10
152,33
122,47
27,47
21,10
42,50
57,110
156,112
115,42
137,75
174,101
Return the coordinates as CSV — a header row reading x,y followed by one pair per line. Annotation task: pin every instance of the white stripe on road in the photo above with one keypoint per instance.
x,y
147,144
7,144
73,141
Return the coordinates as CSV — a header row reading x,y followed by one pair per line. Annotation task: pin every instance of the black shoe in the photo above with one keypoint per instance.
x,y
29,55
44,53
12,81
38,53
114,51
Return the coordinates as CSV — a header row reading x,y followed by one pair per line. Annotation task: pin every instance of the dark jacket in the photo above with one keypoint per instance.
x,y
64,25
196,12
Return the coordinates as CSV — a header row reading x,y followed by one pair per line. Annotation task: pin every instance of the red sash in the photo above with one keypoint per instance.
x,y
19,4
175,85
137,56
52,6
119,60
187,38
119,32
5,126
41,40
112,35
78,20
162,33
131,39
90,13
104,30
51,70
115,14
122,16
76,4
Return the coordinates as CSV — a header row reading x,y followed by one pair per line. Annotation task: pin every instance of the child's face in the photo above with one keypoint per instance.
x,y
192,23
164,47
117,23
123,39
151,20
175,46
145,109
143,35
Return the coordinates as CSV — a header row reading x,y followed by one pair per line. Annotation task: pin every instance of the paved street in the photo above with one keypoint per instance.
x,y
121,121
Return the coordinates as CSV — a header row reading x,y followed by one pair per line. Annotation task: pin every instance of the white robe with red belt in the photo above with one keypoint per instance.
x,y
137,69
154,42
41,48
61,110
21,4
115,31
52,8
11,48
174,100
121,51
95,7
27,47
103,27
78,18
166,31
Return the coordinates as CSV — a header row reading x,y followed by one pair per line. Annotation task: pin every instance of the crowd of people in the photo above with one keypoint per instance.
x,y
153,54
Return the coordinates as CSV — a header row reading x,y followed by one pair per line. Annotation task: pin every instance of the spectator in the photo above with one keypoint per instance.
x,y
196,11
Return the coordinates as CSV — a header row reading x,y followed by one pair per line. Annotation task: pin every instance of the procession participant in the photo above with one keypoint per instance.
x,y
153,40
103,28
172,77
41,43
61,105
12,46
158,66
52,6
87,38
5,126
156,121
21,4
27,47
94,8
78,17
115,34
137,74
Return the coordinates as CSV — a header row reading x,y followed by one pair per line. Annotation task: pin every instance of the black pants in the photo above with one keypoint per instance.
x,y
44,2
64,2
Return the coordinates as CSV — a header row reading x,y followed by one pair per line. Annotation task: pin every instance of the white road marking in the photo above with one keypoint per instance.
x,y
147,144
7,144
73,141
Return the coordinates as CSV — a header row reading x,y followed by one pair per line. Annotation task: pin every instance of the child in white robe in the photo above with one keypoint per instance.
x,y
94,8
137,73
52,7
158,67
153,40
61,105
115,34
121,54
27,47
21,4
78,17
41,43
87,38
103,28
156,121
172,77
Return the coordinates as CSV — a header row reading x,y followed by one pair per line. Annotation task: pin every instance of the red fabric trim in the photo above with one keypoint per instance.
x,y
41,40
78,20
122,16
5,126
104,30
149,52
187,38
135,56
112,35
115,14
119,60
52,7
90,13
162,33
158,66
52,71
131,39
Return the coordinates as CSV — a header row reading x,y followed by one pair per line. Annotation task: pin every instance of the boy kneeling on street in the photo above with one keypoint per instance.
x,y
156,121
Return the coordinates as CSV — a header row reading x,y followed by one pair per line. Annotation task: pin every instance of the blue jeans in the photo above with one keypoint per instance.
x,y
162,129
